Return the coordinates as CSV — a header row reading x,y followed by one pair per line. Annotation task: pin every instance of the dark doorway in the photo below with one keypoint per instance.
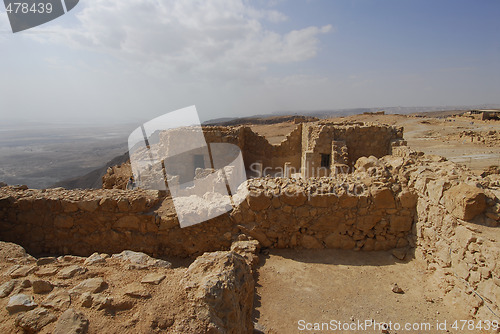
x,y
325,160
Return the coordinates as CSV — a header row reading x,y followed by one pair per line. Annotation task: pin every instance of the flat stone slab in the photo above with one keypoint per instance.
x,y
71,271
20,303
40,286
46,272
92,285
45,260
136,290
153,279
33,321
58,300
23,271
7,287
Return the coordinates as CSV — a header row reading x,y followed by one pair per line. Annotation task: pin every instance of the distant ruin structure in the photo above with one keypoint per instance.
x,y
312,149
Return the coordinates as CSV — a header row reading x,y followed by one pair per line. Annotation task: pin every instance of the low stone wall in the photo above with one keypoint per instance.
x,y
286,213
279,213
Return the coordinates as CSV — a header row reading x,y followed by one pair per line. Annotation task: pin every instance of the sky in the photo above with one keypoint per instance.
x,y
117,61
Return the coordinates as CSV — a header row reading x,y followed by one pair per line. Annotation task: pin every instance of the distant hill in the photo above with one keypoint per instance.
x,y
263,119
92,180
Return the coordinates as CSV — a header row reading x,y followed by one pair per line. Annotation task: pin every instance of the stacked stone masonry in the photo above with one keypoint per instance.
x,y
444,212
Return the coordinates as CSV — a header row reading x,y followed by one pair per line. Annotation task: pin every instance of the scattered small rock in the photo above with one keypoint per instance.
x,y
40,286
136,290
33,321
142,259
71,271
20,303
93,259
397,289
153,279
7,287
92,285
101,302
399,253
86,299
25,283
71,322
58,300
23,271
42,272
45,260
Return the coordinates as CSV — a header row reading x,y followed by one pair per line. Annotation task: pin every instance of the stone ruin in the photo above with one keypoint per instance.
x,y
420,206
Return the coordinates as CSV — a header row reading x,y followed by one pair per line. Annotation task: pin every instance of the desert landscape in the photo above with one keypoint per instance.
x,y
419,247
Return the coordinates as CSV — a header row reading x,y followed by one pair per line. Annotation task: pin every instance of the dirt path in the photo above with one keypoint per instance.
x,y
318,286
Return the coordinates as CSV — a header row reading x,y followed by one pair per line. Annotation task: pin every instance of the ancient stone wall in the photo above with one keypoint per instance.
x,y
279,213
448,215
455,235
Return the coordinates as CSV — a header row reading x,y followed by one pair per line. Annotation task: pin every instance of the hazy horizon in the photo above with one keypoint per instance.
x,y
129,61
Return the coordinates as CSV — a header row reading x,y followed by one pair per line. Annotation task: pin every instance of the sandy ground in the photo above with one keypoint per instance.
x,y
300,287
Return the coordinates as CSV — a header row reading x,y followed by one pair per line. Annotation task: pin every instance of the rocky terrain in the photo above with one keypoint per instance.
x,y
129,292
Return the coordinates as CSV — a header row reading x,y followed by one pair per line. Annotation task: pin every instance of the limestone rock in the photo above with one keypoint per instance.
x,y
92,285
12,251
141,259
363,163
45,260
71,322
58,300
86,299
23,271
20,303
221,283
399,253
71,271
153,279
7,287
465,201
383,198
136,290
33,321
93,259
249,249
40,286
43,272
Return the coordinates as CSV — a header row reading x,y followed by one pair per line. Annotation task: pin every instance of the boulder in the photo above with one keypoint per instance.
x,y
222,286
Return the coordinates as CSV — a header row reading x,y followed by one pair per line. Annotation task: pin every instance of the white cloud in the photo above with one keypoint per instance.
x,y
219,37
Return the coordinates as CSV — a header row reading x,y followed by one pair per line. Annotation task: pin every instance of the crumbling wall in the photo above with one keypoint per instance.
x,y
279,212
456,234
256,148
